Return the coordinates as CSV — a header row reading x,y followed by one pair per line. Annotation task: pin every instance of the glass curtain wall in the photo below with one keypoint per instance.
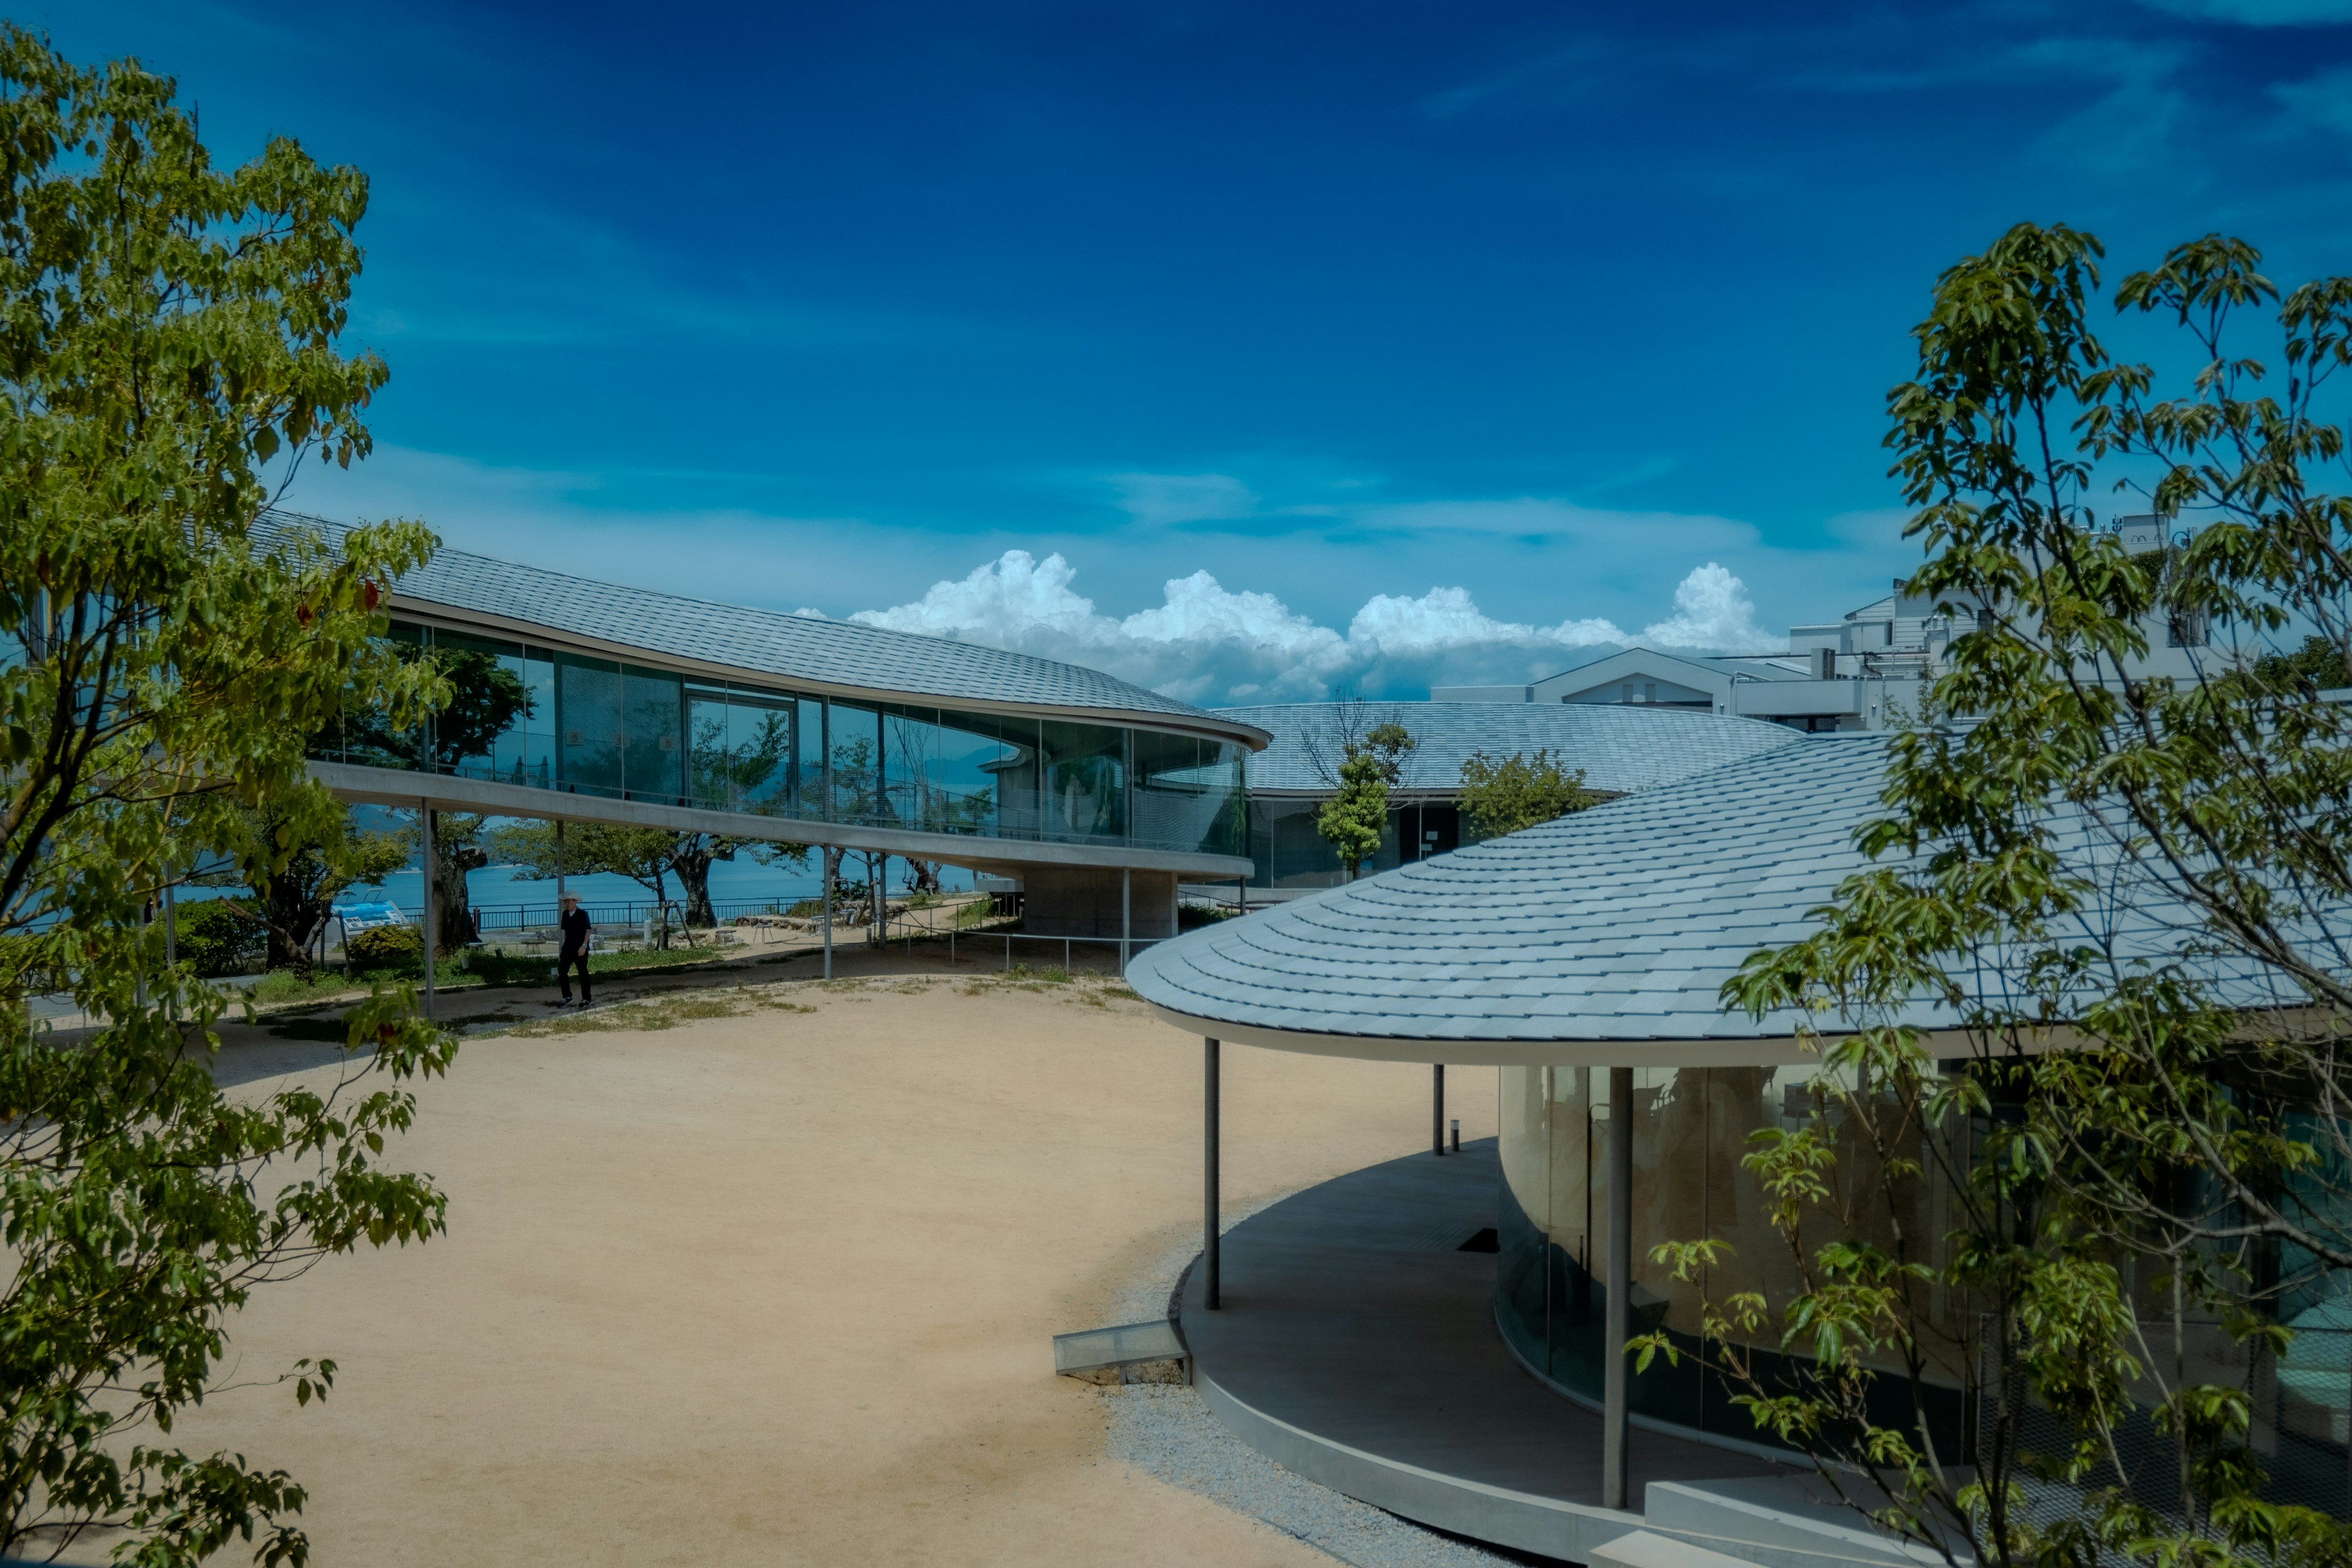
x,y
1691,1127
567,722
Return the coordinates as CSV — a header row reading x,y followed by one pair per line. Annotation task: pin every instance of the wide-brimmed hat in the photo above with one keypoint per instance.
x,y
567,898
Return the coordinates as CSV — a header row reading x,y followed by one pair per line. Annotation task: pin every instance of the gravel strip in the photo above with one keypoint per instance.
x,y
1164,1430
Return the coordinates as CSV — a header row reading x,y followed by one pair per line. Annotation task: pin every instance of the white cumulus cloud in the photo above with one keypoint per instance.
x,y
1206,643
1712,611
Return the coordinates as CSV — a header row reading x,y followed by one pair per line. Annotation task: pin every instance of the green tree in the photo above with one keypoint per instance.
x,y
1360,754
295,875
648,856
482,700
1351,821
167,329
1520,791
2145,850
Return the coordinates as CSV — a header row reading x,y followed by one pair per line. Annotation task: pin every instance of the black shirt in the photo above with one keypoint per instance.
x,y
575,931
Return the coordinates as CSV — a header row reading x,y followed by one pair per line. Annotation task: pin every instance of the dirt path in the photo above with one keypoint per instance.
x,y
777,1287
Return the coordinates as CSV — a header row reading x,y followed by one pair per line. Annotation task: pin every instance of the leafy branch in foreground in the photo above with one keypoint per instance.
x,y
167,329
2117,893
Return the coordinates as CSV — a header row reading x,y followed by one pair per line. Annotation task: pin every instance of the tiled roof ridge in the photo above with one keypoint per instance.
x,y
1100,690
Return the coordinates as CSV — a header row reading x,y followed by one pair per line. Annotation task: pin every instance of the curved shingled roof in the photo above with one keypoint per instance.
x,y
765,642
1620,749
1618,924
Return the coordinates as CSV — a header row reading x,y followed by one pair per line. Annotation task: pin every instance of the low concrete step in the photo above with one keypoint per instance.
x,y
1115,1354
1777,1522
1643,1549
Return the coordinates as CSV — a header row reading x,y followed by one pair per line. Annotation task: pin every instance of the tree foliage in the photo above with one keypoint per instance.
x,y
1372,753
648,856
1519,791
167,328
2148,868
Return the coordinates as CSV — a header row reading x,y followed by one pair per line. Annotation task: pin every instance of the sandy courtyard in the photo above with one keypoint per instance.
x,y
778,1288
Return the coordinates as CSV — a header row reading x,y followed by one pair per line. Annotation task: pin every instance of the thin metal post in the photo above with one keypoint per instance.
x,y
1616,1316
559,868
1209,1240
432,892
171,929
1437,1108
1126,915
1241,896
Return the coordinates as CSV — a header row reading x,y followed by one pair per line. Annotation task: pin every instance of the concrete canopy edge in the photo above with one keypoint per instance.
x,y
396,787
1726,1051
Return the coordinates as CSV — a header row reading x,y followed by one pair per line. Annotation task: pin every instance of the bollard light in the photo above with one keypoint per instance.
x,y
1457,1135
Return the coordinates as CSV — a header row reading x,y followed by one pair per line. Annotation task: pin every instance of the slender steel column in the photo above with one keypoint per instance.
x,y
1437,1108
559,868
1616,1318
432,898
1126,915
1209,1172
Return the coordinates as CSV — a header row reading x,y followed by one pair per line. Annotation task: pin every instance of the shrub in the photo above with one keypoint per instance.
x,y
220,936
385,947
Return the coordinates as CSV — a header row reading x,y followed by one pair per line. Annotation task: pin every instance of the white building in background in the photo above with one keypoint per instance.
x,y
1861,671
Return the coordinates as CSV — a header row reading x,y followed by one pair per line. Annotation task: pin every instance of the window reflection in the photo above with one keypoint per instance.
x,y
1086,780
531,716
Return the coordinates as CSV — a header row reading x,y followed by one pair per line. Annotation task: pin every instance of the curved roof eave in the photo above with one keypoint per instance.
x,y
1620,749
842,659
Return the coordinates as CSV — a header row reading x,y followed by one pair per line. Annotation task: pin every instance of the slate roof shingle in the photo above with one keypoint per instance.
x,y
1622,923
767,643
1620,749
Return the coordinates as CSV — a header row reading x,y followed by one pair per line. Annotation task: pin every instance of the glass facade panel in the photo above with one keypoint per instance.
x,y
489,677
1086,781
590,738
654,717
566,721
857,765
971,760
1691,1127
810,767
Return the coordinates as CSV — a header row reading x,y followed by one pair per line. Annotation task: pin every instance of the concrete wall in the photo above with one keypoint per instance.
x,y
1082,901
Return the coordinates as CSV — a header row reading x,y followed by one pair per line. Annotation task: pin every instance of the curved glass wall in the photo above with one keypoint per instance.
x,y
553,719
1691,1127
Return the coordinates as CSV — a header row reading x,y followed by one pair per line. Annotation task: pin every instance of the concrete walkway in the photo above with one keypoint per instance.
x,y
1357,1345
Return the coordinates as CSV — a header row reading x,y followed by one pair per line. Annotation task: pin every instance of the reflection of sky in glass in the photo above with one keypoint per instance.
x,y
604,728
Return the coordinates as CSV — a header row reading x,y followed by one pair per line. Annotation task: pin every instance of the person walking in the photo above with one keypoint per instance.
x,y
574,924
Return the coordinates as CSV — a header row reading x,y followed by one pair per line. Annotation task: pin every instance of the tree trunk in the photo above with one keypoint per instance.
x,y
692,863
293,917
452,907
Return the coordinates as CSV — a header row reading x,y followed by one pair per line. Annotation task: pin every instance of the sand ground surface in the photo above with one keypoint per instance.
x,y
776,1286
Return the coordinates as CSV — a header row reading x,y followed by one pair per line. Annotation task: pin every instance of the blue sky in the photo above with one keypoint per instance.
x,y
1447,341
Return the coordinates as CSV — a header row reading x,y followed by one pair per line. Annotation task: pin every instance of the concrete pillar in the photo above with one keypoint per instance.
x,y
1617,1318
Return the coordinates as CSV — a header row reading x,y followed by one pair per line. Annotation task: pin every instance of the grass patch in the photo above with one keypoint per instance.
x,y
653,1014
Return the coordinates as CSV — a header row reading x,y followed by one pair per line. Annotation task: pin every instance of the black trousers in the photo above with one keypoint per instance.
x,y
564,966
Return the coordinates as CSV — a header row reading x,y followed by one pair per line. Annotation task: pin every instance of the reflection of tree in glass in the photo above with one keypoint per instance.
x,y
1086,794
486,701
857,783
729,776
